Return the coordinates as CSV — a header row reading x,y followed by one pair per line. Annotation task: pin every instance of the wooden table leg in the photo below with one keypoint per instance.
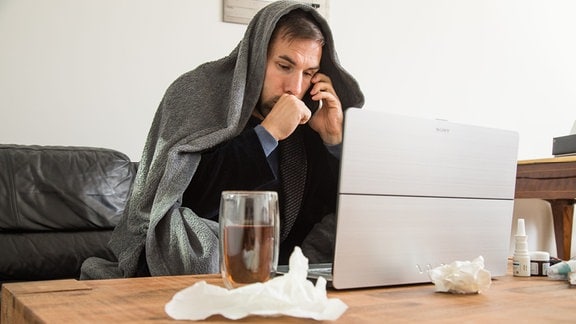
x,y
563,214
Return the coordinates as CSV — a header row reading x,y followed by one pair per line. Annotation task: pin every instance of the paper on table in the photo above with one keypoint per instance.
x,y
291,294
461,277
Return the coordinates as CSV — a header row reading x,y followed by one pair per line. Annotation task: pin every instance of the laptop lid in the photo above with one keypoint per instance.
x,y
416,193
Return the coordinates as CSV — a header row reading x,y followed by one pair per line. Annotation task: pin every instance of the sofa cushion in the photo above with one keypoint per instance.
x,y
49,255
53,188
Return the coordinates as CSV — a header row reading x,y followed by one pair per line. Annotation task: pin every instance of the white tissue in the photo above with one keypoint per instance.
x,y
291,295
461,277
572,278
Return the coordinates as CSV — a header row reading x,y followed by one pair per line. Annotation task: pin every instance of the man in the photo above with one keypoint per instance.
x,y
218,128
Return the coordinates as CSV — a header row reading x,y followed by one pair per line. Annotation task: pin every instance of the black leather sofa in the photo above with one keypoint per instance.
x,y
58,206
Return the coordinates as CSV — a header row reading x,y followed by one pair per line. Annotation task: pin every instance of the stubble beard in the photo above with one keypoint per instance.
x,y
265,107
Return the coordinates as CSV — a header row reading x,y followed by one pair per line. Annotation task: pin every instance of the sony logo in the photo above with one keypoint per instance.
x,y
442,130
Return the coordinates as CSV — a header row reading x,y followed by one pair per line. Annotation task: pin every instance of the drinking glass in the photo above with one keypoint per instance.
x,y
249,236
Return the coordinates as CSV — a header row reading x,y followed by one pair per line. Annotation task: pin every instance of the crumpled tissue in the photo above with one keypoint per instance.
x,y
291,294
461,277
572,278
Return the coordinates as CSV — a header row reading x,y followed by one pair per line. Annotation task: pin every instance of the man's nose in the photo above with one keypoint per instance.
x,y
293,84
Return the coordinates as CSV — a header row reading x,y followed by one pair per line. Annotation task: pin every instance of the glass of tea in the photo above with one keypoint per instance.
x,y
249,236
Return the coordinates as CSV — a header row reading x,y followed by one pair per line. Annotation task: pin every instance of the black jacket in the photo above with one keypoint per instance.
x,y
241,164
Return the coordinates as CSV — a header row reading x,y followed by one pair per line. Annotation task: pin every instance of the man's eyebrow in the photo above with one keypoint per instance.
x,y
287,58
291,61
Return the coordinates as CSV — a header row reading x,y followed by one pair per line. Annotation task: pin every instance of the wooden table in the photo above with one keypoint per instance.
x,y
554,180
142,300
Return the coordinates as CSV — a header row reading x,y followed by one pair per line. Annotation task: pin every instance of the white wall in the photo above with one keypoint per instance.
x,y
91,72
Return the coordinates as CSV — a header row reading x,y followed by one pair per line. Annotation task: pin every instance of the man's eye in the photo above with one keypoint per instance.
x,y
284,67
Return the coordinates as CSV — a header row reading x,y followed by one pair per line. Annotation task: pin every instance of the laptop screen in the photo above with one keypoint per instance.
x,y
417,193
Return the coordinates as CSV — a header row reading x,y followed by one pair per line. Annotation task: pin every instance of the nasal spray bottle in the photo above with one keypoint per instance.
x,y
521,259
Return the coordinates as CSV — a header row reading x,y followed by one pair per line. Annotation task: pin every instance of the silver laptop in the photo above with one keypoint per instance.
x,y
418,193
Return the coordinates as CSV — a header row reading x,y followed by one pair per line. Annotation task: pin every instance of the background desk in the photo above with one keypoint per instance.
x,y
554,180
142,300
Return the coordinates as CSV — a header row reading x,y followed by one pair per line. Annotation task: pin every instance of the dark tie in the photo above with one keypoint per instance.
x,y
293,179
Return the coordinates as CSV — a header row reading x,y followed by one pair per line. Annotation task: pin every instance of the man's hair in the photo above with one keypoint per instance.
x,y
298,24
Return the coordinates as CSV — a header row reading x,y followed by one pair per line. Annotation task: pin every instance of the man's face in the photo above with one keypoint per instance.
x,y
290,66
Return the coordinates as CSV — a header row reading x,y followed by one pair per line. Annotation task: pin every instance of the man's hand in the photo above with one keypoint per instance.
x,y
289,112
285,116
328,119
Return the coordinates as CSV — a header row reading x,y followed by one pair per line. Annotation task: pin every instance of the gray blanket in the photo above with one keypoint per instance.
x,y
202,108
